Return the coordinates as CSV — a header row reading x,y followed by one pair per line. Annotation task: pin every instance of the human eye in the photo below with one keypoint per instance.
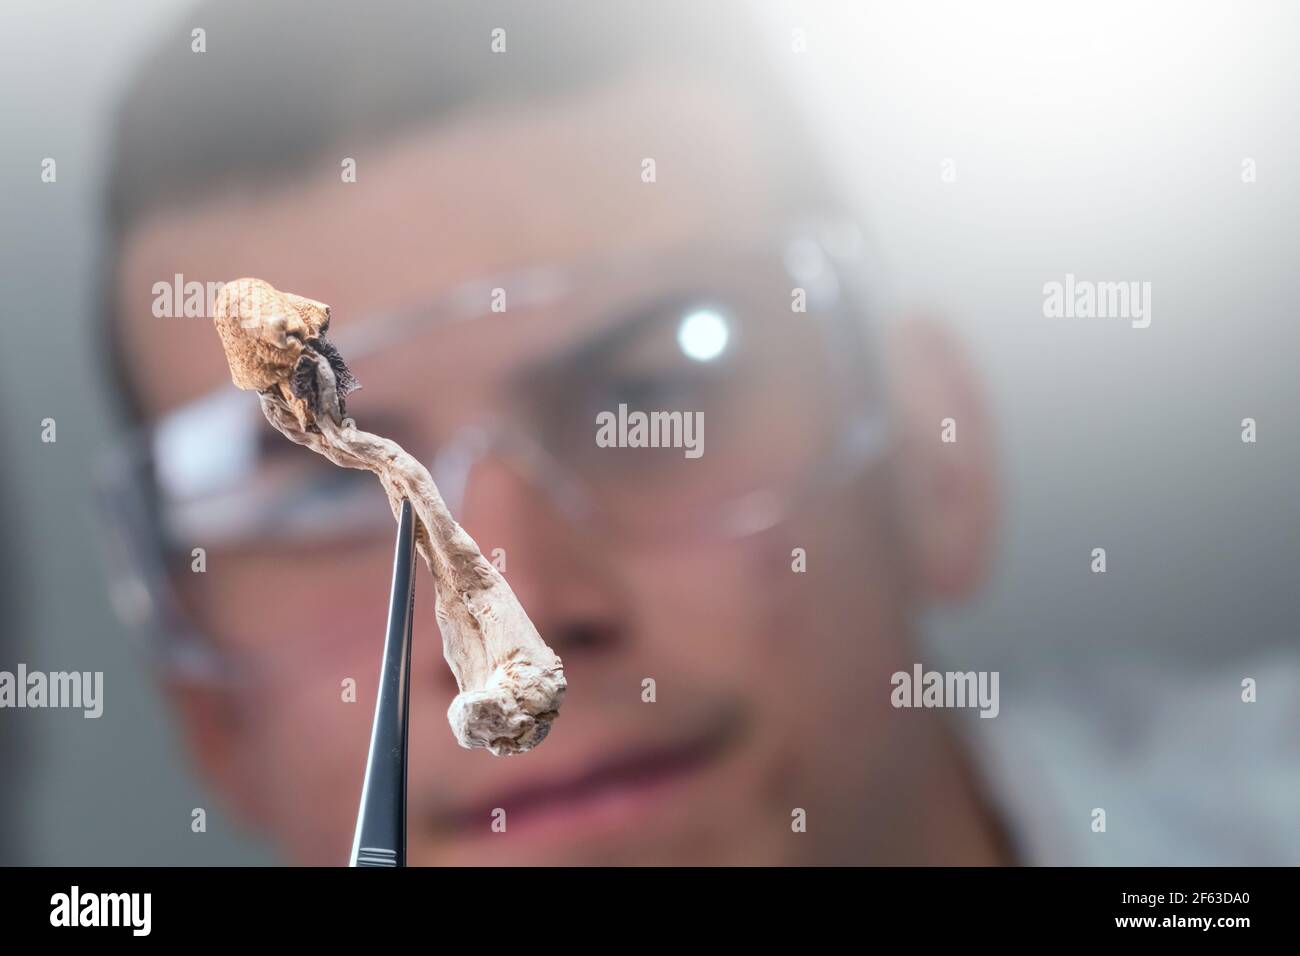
x,y
650,389
673,357
316,499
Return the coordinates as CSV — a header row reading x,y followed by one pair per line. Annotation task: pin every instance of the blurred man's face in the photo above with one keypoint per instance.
x,y
759,672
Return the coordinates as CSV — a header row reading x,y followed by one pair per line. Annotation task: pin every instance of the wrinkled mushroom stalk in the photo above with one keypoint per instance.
x,y
511,684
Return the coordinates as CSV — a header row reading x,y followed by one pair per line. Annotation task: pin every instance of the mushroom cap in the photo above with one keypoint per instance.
x,y
264,331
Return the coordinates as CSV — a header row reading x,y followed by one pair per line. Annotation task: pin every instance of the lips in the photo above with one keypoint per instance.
x,y
612,786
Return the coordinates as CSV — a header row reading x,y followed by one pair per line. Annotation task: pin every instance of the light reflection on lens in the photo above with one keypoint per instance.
x,y
703,335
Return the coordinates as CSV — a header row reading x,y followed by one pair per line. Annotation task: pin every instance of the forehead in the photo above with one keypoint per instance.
x,y
489,191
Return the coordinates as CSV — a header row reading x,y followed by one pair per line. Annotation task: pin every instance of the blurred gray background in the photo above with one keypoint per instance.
x,y
1103,141
88,791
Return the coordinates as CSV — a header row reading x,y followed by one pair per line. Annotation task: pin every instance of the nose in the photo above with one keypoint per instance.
x,y
559,574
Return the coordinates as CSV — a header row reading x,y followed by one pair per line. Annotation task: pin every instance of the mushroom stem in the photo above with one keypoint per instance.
x,y
511,684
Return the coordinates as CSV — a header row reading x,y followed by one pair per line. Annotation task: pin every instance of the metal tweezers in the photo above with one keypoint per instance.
x,y
380,838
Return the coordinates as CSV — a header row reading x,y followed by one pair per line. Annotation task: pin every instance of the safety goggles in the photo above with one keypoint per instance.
x,y
660,396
